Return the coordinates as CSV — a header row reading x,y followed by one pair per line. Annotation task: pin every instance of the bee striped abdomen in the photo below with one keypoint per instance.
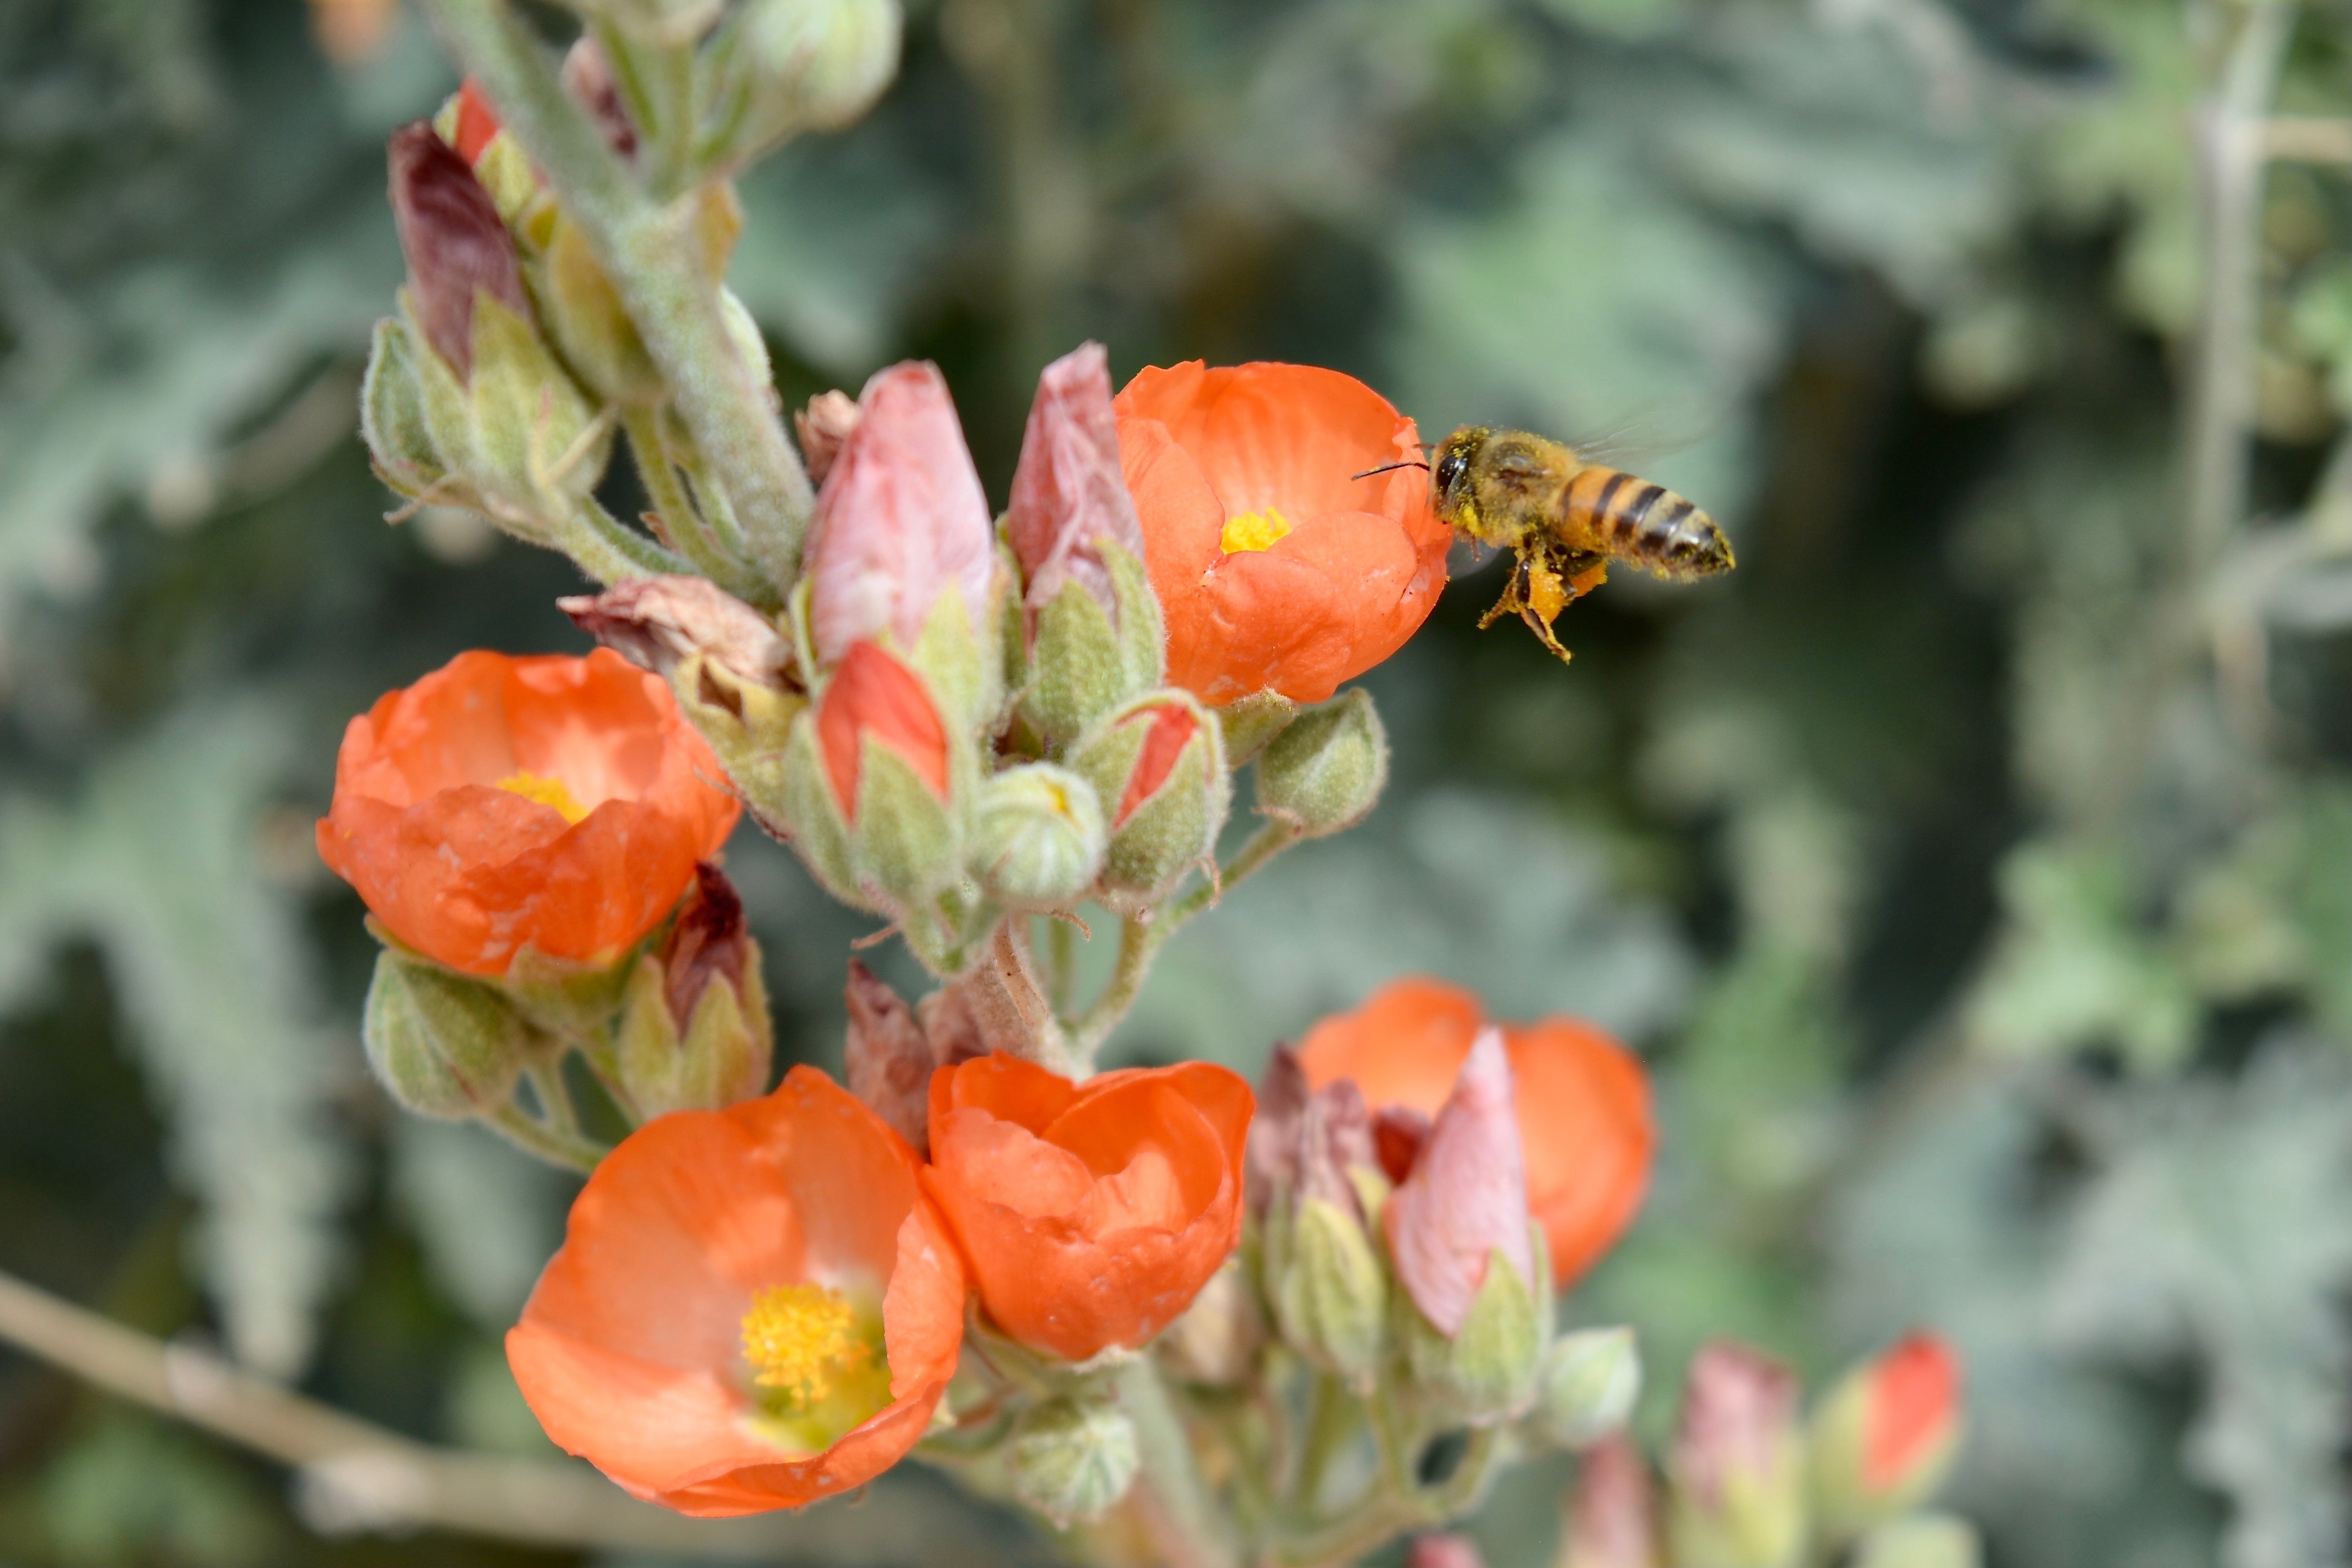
x,y
1643,524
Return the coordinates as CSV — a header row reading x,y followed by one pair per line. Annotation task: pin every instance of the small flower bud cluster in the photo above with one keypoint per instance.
x,y
1748,1482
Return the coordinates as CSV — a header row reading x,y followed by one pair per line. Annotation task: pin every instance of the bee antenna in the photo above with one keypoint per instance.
x,y
1408,463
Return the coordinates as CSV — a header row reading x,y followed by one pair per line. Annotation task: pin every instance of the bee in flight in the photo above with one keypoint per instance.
x,y
1565,518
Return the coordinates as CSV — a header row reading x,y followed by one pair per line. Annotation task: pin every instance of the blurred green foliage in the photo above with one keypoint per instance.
x,y
1975,865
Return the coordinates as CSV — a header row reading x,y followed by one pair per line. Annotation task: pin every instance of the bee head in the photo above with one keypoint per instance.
x,y
1451,471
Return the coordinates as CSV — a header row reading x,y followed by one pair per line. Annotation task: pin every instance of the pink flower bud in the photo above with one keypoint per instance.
x,y
707,941
824,425
901,518
887,1057
1068,494
1739,1425
1466,1198
657,622
1612,1514
1444,1552
454,241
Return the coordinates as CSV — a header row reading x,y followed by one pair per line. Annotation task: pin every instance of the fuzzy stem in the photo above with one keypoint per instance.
x,y
606,549
1185,1522
643,248
688,530
533,1136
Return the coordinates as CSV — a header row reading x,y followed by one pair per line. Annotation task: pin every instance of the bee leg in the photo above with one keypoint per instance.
x,y
1515,594
1546,595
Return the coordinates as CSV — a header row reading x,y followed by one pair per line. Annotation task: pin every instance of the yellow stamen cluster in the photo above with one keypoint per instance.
x,y
1253,531
798,1338
547,792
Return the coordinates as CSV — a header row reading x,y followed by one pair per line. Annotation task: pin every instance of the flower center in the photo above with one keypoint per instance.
x,y
1253,531
547,792
798,1338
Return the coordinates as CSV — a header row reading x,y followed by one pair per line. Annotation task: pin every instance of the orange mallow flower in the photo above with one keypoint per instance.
x,y
1276,569
1583,1101
1090,1214
752,1308
552,802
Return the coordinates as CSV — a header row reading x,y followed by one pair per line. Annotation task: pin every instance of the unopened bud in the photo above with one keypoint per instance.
x,y
1610,1519
1466,1201
805,65
1251,723
695,1033
393,419
1448,1551
866,784
887,1057
441,1044
593,328
1920,1541
456,244
1485,1370
1216,1340
1738,1494
1072,1459
1326,771
1587,1387
1158,765
822,426
1883,1440
1325,1286
1038,837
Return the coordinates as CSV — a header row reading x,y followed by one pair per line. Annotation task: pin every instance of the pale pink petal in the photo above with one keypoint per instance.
x,y
1068,493
1466,1198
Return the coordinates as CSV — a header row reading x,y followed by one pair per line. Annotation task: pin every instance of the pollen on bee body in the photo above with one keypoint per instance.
x,y
547,791
800,1338
1253,531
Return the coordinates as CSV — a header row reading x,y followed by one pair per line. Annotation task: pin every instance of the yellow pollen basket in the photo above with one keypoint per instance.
x,y
817,1362
547,792
1253,531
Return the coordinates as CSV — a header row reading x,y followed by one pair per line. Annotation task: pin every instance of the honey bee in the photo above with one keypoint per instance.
x,y
1565,518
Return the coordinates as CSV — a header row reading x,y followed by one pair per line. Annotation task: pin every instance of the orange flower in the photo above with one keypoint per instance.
x,y
1583,1101
752,1308
1090,1214
1277,569
552,802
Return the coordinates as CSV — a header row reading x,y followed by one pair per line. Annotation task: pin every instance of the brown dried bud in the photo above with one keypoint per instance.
x,y
454,241
887,1056
823,427
707,941
1613,1514
588,78
1303,1141
657,622
1068,493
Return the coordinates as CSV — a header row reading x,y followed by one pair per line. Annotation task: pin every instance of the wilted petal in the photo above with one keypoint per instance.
x,y
588,77
1467,1196
707,940
1068,494
1398,1133
454,241
901,518
824,425
655,621
888,1060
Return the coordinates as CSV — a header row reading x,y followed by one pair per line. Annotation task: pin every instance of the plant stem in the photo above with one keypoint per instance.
x,y
1274,835
608,550
1186,1524
679,516
557,1147
650,252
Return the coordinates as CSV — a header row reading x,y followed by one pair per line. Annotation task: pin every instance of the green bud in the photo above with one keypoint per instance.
x,y
1158,765
442,1044
1036,837
803,64
1921,1540
1253,722
565,995
392,415
902,845
1072,1459
1325,772
965,682
1587,1387
1327,1287
1085,659
1487,1372
584,313
1882,1441
695,1032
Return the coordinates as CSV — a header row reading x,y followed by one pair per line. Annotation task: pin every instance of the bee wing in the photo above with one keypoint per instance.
x,y
1639,439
